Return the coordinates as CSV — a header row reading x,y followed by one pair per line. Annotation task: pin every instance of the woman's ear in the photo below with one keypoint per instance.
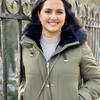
x,y
38,14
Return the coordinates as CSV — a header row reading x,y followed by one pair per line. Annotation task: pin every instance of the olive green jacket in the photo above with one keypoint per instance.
x,y
75,73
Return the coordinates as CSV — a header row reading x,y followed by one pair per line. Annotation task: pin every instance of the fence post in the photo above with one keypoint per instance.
x,y
3,48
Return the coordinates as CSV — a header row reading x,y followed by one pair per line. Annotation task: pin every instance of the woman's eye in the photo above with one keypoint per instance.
x,y
47,11
60,12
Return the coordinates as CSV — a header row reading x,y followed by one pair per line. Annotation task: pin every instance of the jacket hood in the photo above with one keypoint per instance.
x,y
68,34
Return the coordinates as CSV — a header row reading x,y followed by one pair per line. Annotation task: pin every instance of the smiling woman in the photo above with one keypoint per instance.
x,y
52,17
57,63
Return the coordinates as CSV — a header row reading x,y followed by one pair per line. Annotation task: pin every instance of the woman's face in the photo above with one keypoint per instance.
x,y
52,17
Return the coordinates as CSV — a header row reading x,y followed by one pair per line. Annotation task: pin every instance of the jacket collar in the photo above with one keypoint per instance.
x,y
68,35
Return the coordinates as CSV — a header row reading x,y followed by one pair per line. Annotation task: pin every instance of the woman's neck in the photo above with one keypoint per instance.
x,y
51,34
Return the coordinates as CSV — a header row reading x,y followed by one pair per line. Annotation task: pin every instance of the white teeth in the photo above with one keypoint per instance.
x,y
52,23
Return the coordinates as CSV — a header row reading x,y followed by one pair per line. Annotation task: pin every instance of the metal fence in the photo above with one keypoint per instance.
x,y
90,19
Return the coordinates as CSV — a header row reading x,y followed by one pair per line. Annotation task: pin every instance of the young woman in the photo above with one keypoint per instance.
x,y
57,61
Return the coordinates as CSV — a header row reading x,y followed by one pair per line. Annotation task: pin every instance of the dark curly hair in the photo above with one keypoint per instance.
x,y
71,19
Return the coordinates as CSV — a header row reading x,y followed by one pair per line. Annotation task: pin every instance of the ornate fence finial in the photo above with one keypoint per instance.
x,y
86,10
16,7
77,6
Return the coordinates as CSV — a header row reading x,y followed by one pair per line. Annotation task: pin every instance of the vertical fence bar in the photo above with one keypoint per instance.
x,y
96,41
19,47
93,20
99,36
3,48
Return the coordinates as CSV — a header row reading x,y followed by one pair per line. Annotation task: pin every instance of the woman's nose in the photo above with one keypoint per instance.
x,y
53,16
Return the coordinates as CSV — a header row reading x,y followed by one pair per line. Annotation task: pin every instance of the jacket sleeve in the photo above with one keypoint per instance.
x,y
90,72
21,85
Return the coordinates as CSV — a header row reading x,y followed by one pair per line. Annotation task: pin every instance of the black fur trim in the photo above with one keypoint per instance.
x,y
68,35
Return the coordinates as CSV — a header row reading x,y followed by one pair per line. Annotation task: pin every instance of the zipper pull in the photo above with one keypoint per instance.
x,y
65,57
47,67
31,53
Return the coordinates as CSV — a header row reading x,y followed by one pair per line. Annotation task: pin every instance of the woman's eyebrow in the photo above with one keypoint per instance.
x,y
47,9
51,9
60,9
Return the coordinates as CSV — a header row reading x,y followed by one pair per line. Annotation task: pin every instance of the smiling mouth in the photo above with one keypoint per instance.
x,y
53,23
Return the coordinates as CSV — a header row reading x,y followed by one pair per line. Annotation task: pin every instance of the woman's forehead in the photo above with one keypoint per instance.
x,y
58,4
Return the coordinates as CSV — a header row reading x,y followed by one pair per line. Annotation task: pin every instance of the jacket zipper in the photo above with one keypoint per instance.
x,y
47,67
47,64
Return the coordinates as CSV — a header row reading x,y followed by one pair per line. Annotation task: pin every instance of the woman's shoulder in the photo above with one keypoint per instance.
x,y
81,34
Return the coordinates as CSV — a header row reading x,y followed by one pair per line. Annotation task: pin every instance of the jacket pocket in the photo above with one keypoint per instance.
x,y
68,87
